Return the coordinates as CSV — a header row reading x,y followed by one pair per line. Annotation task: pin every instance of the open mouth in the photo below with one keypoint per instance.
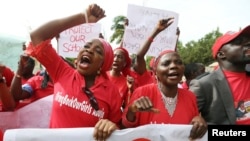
x,y
85,59
85,62
173,75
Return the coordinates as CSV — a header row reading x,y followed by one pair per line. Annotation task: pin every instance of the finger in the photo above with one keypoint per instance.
x,y
202,129
95,135
154,110
170,23
193,131
108,128
148,102
137,106
98,130
145,103
167,20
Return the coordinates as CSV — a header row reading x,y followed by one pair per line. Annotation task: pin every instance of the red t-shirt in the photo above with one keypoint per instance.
x,y
186,108
121,83
8,74
145,78
71,106
239,84
38,92
34,88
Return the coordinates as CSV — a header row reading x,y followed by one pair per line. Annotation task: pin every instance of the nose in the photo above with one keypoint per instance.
x,y
89,50
115,57
172,65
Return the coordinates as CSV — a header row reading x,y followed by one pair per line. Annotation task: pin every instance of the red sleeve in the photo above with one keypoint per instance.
x,y
48,57
8,74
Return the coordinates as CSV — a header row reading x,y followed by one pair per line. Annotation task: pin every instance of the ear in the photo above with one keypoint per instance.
x,y
220,54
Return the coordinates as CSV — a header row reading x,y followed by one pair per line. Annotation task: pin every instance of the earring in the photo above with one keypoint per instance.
x,y
98,72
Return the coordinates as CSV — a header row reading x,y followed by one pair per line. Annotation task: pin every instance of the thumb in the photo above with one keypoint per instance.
x,y
154,110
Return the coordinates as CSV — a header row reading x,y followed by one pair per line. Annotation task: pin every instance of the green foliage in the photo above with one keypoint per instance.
x,y
118,28
199,51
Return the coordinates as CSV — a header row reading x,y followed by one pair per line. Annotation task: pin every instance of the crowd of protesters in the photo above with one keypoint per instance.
x,y
102,77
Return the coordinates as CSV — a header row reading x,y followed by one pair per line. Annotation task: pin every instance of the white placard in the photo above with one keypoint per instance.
x,y
142,21
73,39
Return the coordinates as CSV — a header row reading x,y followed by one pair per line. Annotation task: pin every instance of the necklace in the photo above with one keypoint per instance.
x,y
170,103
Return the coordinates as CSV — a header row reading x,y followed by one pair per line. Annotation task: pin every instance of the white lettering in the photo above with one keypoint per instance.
x,y
216,132
73,102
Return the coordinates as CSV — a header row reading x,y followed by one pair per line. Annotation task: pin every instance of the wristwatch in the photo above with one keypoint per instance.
x,y
2,80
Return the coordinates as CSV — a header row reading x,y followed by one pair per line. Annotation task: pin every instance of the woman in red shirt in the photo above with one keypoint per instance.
x,y
172,104
83,97
122,72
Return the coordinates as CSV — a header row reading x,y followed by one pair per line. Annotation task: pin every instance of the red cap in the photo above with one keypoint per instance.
x,y
226,38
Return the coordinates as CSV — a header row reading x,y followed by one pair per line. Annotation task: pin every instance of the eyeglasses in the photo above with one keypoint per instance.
x,y
92,99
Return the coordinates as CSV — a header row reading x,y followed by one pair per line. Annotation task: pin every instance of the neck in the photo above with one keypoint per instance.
x,y
232,67
168,91
115,73
89,81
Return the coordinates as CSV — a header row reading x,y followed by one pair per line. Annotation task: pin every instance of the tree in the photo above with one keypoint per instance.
x,y
199,51
118,28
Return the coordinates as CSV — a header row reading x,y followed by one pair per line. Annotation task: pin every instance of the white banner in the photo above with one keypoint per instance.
x,y
152,132
142,21
31,123
34,115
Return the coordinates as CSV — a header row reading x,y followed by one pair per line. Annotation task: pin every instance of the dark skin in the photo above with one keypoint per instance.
x,y
85,63
168,65
118,63
233,56
140,63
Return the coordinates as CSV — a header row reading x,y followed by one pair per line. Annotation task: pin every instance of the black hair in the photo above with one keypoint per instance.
x,y
46,78
190,69
31,62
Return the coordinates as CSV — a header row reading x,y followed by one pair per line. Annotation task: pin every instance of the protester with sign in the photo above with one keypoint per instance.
x,y
163,102
83,97
140,72
219,92
171,104
128,77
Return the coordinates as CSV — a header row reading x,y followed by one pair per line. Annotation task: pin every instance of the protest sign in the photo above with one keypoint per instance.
x,y
73,39
142,21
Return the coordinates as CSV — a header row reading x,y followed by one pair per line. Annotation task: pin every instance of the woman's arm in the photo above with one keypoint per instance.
x,y
52,28
140,63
